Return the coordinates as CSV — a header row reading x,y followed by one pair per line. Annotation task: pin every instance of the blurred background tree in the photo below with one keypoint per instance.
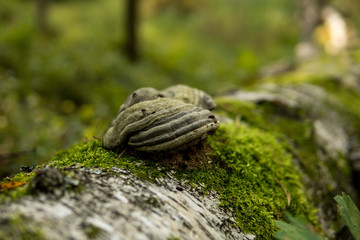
x,y
131,46
310,17
61,87
42,9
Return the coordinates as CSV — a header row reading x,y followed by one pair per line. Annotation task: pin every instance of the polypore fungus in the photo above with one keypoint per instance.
x,y
159,125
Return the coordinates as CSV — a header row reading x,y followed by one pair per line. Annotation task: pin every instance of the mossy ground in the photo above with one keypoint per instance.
x,y
257,178
295,130
329,73
349,100
290,126
298,133
21,179
20,227
249,168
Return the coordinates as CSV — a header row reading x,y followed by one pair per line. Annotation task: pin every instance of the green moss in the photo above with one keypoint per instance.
x,y
20,227
255,177
325,74
92,232
349,99
295,130
239,110
8,195
20,177
173,238
13,194
291,126
91,154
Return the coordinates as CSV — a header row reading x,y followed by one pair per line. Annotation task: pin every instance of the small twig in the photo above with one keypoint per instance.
x,y
287,193
121,154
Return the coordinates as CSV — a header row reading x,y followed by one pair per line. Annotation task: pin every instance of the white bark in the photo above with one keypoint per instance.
x,y
120,207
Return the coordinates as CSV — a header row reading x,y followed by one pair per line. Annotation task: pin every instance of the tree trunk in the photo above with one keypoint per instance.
x,y
310,17
131,43
42,9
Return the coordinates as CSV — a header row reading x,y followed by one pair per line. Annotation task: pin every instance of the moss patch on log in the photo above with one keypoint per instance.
x,y
250,169
20,227
349,99
256,179
294,128
296,134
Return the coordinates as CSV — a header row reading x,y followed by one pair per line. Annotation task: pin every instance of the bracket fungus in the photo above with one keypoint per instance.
x,y
140,95
150,121
181,92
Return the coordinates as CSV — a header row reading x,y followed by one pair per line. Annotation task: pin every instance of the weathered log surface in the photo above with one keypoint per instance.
x,y
117,207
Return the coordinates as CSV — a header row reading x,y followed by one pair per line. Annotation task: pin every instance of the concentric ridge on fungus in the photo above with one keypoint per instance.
x,y
163,124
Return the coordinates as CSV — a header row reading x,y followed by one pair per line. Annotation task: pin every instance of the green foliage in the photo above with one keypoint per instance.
x,y
14,194
220,29
92,232
295,230
350,214
26,126
16,35
173,238
20,227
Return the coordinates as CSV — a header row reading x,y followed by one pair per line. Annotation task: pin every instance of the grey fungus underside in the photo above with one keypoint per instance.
x,y
175,130
182,141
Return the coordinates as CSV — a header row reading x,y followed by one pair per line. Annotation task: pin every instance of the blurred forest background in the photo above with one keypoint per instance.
x,y
67,65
